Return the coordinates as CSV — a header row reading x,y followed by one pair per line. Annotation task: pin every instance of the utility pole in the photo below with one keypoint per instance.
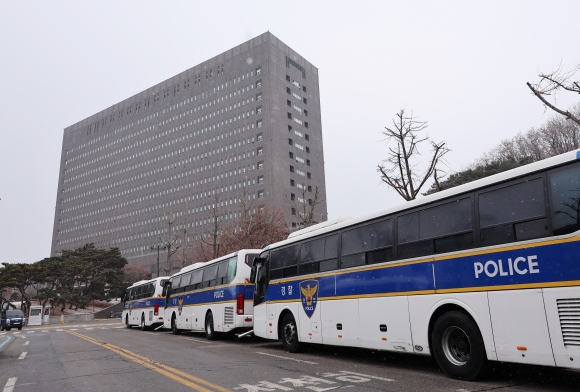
x,y
153,247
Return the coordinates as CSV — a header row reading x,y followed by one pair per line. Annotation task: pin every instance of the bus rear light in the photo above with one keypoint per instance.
x,y
156,310
248,319
522,348
240,304
384,338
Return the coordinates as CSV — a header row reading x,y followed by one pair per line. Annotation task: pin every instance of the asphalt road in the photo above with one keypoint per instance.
x,y
105,356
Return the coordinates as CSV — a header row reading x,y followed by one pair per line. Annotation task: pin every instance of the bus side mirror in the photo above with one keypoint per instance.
x,y
124,297
253,274
167,293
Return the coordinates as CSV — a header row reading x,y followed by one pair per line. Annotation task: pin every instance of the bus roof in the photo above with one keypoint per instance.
x,y
202,264
471,186
139,283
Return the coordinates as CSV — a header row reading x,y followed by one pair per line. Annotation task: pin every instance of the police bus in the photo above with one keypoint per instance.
x,y
144,303
486,271
214,297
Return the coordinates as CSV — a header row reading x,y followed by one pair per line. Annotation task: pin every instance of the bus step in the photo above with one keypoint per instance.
x,y
245,334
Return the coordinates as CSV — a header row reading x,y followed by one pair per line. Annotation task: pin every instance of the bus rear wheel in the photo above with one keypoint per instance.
x,y
210,333
174,329
458,346
290,334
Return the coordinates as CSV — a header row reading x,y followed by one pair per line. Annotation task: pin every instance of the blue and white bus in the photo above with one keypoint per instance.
x,y
144,303
486,271
214,297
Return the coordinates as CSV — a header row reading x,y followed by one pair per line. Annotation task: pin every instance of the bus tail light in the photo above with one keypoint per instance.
x,y
156,310
240,304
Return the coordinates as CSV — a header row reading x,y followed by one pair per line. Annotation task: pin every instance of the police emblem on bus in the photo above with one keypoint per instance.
x,y
180,304
309,296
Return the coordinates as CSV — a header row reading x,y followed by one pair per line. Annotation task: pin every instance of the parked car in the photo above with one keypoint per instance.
x,y
12,319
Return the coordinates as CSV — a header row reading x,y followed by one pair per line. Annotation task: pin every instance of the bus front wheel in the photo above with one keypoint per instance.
x,y
290,334
209,329
174,329
458,346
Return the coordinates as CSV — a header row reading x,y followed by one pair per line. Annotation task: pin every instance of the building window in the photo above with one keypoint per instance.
x,y
292,183
258,84
291,155
304,88
293,211
260,179
308,175
297,120
305,100
305,112
308,162
309,188
288,90
259,123
291,169
292,196
259,97
290,142
259,137
288,102
260,151
306,136
260,194
287,78
298,159
306,124
290,116
259,110
258,71
260,165
308,149
293,224
289,127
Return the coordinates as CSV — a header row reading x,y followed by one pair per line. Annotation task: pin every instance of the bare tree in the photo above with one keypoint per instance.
x,y
256,225
400,170
553,83
304,205
209,244
170,240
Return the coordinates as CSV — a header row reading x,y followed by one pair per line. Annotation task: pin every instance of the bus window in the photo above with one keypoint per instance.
x,y
357,243
175,284
233,266
314,255
185,282
210,275
502,211
250,259
565,199
284,262
222,275
196,279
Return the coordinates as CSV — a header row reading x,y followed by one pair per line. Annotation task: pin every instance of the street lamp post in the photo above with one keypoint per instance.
x,y
158,247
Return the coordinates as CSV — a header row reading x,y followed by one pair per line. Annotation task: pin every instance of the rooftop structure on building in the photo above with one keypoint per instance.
x,y
244,122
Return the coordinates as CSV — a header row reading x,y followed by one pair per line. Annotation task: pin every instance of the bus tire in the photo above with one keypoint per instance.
x,y
458,346
174,329
7,329
290,334
143,326
127,322
210,333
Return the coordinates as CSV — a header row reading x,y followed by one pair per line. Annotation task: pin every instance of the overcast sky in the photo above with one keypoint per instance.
x,y
460,66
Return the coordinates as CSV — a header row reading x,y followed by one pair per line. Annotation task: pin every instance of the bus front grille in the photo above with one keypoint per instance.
x,y
228,315
569,313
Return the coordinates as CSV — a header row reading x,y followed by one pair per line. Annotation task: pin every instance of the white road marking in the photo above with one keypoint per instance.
x,y
198,340
151,333
88,329
9,387
31,331
27,342
45,330
22,336
16,333
290,359
59,330
365,375
74,329
23,355
118,327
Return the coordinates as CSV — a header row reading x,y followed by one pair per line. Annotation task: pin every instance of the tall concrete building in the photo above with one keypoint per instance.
x,y
247,120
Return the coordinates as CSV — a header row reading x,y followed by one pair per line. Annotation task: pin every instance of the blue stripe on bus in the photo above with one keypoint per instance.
x,y
577,154
220,294
145,303
557,262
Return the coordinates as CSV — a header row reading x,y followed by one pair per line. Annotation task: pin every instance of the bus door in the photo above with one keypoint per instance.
x,y
259,278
